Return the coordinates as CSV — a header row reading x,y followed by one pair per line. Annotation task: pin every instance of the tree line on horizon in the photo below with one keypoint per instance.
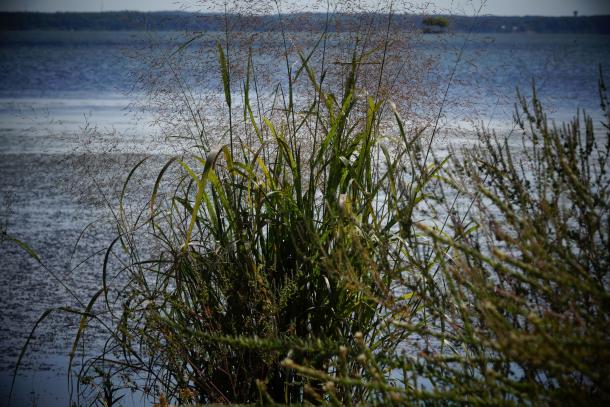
x,y
178,21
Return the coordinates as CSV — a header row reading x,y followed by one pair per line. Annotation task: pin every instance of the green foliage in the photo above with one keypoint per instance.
x,y
316,255
282,248
436,21
531,286
522,265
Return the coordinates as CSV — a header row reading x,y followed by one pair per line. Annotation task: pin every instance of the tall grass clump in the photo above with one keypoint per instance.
x,y
293,249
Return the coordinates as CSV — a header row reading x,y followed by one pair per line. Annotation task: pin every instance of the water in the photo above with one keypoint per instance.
x,y
564,68
64,120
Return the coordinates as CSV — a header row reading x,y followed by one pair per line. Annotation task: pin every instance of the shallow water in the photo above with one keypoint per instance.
x,y
64,121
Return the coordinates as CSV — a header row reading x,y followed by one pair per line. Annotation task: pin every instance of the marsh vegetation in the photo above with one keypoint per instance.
x,y
310,246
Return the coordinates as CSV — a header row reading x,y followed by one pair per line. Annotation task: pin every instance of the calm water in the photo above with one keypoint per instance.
x,y
57,87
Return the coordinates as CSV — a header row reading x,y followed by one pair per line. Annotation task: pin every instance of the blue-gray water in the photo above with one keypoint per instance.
x,y
55,87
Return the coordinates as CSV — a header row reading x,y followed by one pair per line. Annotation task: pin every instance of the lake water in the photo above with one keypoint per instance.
x,y
64,119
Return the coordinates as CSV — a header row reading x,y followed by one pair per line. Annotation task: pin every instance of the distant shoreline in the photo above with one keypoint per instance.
x,y
177,21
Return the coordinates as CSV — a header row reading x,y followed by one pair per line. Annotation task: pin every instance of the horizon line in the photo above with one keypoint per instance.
x,y
297,13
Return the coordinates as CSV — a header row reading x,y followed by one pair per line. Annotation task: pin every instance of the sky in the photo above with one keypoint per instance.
x,y
496,7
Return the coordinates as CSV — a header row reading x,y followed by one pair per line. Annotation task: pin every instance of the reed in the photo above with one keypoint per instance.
x,y
292,246
531,285
289,239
